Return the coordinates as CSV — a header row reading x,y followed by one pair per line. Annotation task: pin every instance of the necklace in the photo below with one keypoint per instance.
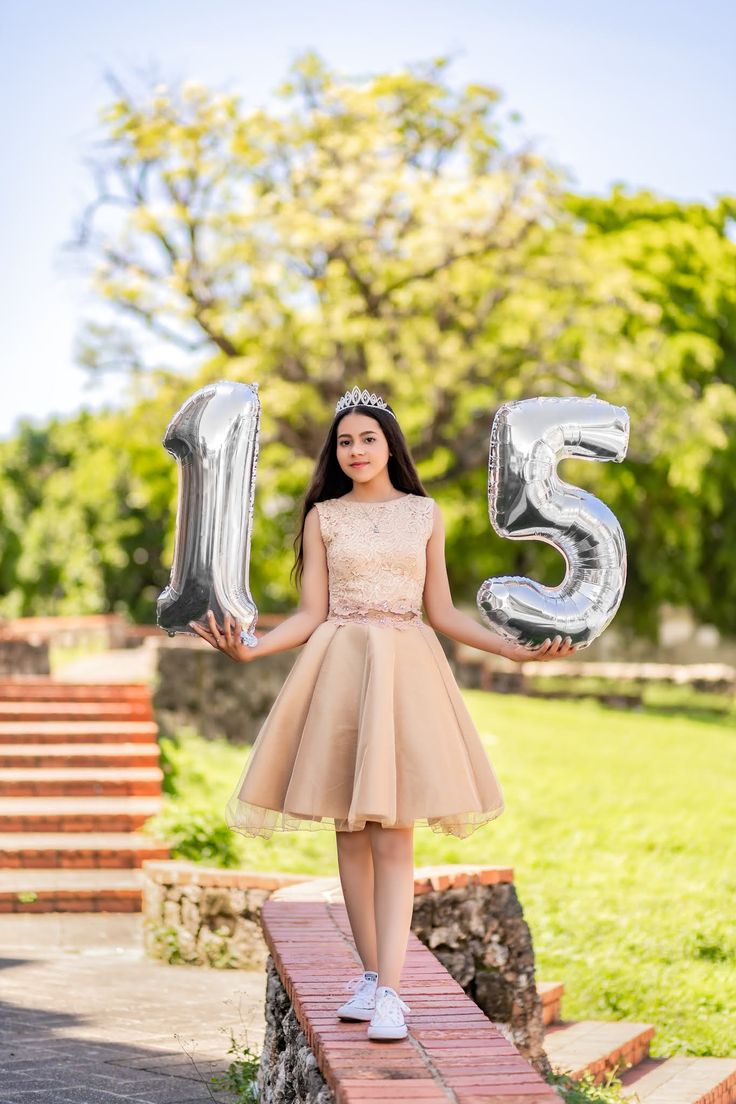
x,y
372,519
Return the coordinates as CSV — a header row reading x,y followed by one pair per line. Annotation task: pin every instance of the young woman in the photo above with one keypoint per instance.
x,y
369,733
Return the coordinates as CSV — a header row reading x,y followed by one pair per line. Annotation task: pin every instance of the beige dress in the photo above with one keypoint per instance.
x,y
369,723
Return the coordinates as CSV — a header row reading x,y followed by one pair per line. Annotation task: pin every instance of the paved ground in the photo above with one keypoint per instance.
x,y
116,665
86,1018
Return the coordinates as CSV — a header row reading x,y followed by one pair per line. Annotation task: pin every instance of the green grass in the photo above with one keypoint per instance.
x,y
621,830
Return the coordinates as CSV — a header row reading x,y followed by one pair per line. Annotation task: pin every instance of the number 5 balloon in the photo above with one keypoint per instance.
x,y
214,437
528,501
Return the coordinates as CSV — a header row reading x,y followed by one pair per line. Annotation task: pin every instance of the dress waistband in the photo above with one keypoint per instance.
x,y
386,617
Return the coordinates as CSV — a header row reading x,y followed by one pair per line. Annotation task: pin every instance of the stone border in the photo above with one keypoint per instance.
x,y
468,915
453,1050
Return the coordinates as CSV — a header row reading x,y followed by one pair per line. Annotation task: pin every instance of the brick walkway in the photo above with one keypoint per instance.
x,y
86,1018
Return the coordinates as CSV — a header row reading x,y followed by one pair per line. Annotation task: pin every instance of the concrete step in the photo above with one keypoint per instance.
x,y
682,1080
75,711
75,732
31,688
574,1046
550,994
32,890
79,755
78,850
80,781
76,814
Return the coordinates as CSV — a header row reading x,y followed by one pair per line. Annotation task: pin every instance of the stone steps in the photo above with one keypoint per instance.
x,y
77,732
601,1046
79,755
76,814
79,774
98,890
78,850
682,1080
74,711
550,994
31,689
80,781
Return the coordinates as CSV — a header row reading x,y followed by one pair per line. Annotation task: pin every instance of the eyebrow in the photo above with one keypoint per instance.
x,y
360,434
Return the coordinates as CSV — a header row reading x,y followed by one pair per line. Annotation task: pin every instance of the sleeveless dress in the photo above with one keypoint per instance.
x,y
369,724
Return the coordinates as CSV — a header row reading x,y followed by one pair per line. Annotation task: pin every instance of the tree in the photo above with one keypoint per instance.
x,y
679,486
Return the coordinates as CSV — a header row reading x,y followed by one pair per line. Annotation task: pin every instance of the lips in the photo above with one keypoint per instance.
x,y
364,464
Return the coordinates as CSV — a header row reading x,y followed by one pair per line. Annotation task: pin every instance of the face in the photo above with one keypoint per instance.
x,y
361,441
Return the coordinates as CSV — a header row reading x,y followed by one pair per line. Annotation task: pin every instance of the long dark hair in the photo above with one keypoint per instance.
x,y
330,481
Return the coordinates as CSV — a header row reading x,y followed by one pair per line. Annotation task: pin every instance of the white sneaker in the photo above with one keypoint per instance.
x,y
362,1005
387,1021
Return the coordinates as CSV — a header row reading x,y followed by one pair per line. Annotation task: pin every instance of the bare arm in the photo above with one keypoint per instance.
x,y
313,603
295,630
445,618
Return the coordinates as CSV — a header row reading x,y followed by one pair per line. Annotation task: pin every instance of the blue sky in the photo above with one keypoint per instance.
x,y
640,91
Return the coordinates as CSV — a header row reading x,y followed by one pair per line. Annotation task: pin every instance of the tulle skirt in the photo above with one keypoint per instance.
x,y
369,724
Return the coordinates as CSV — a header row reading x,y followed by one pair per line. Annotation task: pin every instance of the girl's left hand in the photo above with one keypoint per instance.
x,y
549,649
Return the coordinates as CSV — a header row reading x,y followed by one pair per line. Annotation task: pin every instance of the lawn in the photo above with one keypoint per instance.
x,y
620,828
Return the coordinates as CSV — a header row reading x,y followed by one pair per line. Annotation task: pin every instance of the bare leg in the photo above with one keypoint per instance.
x,y
355,863
393,864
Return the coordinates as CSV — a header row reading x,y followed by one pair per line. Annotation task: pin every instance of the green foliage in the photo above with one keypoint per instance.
x,y
674,502
584,1090
88,501
191,819
195,833
240,1076
163,943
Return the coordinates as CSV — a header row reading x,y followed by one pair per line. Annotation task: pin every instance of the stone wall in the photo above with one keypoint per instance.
x,y
288,1071
199,687
92,630
206,916
479,934
21,657
469,916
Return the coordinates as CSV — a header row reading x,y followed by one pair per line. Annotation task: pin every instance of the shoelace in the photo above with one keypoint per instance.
x,y
389,1007
357,982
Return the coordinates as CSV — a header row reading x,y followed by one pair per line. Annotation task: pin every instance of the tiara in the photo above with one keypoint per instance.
x,y
356,397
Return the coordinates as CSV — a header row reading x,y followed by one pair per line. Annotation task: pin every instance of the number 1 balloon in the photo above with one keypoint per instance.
x,y
528,501
214,438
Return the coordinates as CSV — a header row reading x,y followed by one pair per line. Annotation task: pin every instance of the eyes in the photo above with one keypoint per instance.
x,y
368,440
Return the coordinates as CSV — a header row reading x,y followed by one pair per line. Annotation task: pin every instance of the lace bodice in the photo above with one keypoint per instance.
x,y
376,558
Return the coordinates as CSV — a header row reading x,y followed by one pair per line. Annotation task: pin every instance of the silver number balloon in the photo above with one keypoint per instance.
x,y
214,437
528,501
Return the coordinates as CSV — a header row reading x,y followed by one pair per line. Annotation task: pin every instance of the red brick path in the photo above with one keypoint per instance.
x,y
452,1053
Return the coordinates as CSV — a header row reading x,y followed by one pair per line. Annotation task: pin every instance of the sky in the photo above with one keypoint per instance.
x,y
638,91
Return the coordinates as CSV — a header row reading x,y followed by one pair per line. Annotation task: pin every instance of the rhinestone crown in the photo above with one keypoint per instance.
x,y
356,397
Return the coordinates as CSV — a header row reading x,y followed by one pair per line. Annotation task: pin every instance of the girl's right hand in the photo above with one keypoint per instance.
x,y
226,639
556,648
